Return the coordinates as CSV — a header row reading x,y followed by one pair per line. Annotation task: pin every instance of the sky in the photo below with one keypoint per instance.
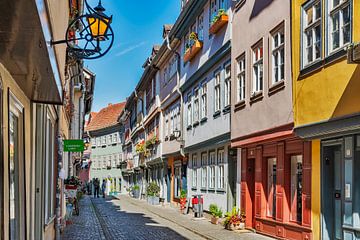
x,y
137,26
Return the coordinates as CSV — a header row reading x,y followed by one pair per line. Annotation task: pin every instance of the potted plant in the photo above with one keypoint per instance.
x,y
216,213
153,194
72,182
136,191
183,195
234,220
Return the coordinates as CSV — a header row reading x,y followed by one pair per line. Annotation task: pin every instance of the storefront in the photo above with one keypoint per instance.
x,y
276,185
338,143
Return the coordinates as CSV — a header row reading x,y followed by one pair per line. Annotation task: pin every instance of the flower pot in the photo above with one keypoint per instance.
x,y
214,220
242,225
136,193
152,200
216,26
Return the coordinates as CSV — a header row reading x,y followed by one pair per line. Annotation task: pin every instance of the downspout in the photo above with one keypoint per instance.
x,y
181,96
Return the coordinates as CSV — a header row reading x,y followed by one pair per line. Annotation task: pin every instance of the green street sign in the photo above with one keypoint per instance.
x,y
74,145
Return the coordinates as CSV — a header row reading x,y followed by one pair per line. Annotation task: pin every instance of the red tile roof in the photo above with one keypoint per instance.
x,y
107,117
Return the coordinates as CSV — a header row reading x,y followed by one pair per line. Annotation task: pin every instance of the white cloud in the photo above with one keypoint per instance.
x,y
130,48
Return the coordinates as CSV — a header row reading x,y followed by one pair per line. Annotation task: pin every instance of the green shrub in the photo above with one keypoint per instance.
x,y
136,187
153,190
183,194
215,211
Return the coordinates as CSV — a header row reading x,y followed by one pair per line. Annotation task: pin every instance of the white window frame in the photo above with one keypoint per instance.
x,y
332,11
194,170
189,110
109,139
204,163
221,169
196,106
227,88
204,100
241,78
217,91
200,26
258,67
278,54
212,173
305,28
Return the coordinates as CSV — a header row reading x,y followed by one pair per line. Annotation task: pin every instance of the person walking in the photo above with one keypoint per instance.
x,y
96,187
103,188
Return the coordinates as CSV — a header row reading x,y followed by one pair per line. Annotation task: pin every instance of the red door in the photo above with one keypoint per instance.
x,y
250,200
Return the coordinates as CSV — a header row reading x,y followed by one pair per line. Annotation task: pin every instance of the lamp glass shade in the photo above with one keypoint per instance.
x,y
98,26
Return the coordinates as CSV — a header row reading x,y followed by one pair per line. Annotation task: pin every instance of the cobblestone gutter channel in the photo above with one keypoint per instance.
x,y
107,235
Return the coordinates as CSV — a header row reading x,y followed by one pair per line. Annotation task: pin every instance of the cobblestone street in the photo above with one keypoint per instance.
x,y
134,219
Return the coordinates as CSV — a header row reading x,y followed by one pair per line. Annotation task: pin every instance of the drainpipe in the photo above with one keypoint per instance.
x,y
181,96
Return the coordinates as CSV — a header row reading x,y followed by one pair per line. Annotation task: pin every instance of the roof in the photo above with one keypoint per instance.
x,y
106,117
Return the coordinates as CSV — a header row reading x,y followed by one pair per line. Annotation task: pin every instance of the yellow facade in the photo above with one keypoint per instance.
x,y
331,90
327,92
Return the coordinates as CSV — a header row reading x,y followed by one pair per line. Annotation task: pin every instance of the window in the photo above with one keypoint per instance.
x,y
222,4
217,91
227,86
98,142
172,121
221,169
104,162
296,188
115,160
258,68
339,24
194,170
16,171
241,79
212,169
99,163
196,105
109,139
271,188
115,138
201,27
311,32
213,10
103,139
189,111
278,56
178,118
93,142
166,124
203,100
109,162
203,170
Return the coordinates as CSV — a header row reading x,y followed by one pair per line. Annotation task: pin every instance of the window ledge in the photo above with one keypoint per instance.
x,y
203,189
227,109
203,120
330,59
189,127
240,105
217,114
276,87
211,190
256,97
194,189
195,124
221,190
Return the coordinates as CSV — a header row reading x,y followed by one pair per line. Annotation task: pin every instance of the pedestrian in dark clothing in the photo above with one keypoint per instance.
x,y
103,188
96,188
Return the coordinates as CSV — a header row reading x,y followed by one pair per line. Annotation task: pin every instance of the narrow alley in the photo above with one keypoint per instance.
x,y
127,218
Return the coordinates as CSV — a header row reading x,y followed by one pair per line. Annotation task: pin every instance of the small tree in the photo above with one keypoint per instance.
x,y
153,190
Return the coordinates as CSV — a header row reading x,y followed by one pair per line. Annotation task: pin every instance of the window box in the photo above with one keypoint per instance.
x,y
193,50
219,23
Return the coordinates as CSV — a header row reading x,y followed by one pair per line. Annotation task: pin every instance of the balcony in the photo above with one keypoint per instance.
x,y
193,47
218,22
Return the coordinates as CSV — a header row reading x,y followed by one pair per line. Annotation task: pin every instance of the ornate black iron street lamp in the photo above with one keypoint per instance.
x,y
89,36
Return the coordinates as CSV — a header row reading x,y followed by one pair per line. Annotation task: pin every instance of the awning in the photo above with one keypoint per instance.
x,y
25,51
331,128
